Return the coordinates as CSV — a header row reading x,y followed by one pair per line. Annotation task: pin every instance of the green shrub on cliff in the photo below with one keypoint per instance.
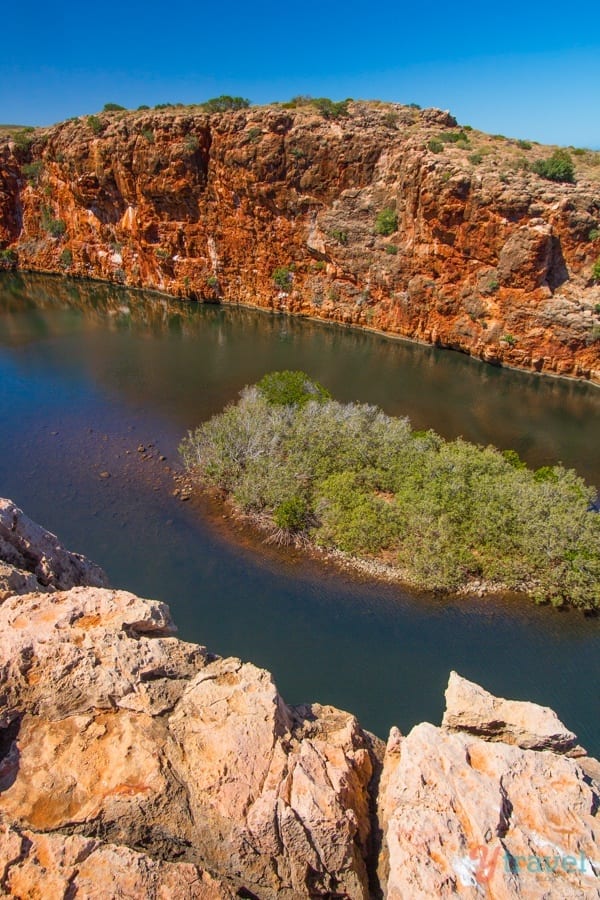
x,y
386,222
225,103
330,109
558,167
435,145
55,227
8,259
66,259
596,270
95,124
282,277
23,138
33,171
445,513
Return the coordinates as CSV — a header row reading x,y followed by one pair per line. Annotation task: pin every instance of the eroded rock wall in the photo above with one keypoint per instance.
x,y
487,258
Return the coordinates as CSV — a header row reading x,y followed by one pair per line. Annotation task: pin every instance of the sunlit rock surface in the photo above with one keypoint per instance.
x,y
485,256
133,764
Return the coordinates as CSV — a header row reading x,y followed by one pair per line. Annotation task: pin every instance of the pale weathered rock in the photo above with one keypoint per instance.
x,y
29,548
472,709
136,765
267,782
465,817
16,581
55,866
525,260
112,727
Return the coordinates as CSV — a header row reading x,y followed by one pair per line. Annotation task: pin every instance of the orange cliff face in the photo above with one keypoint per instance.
x,y
282,209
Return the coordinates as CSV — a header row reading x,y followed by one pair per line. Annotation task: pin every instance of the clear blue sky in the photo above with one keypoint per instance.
x,y
527,69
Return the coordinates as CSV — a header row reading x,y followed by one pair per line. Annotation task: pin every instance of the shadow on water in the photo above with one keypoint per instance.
x,y
90,372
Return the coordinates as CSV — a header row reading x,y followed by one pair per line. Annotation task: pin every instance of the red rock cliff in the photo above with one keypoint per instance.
x,y
487,257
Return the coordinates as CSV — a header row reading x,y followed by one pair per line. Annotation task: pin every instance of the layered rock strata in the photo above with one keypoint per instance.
x,y
134,764
281,208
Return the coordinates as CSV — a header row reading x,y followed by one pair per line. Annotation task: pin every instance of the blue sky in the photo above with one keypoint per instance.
x,y
525,70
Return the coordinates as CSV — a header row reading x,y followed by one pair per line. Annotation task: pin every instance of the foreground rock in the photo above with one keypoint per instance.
x,y
114,728
55,866
33,559
465,817
480,814
133,764
471,709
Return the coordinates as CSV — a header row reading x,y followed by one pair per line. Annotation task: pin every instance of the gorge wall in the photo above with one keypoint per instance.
x,y
133,764
278,208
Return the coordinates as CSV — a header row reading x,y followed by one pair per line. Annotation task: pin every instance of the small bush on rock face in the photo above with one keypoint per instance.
x,y
558,167
435,145
596,270
113,107
338,235
33,171
8,259
55,227
387,222
66,259
282,277
24,138
191,143
95,124
454,137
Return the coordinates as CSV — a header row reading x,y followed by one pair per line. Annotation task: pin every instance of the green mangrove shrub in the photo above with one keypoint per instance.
x,y
350,477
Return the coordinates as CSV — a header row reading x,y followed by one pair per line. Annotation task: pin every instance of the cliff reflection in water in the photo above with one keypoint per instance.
x,y
216,350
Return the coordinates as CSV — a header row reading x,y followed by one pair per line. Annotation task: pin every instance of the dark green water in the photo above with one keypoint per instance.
x,y
88,372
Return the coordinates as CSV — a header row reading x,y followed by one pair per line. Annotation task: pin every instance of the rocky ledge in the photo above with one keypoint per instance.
x,y
134,764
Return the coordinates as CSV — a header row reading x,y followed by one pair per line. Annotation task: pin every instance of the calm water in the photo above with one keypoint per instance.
x,y
89,372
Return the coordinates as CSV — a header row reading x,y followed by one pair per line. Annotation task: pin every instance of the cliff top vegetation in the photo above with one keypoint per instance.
x,y
459,146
